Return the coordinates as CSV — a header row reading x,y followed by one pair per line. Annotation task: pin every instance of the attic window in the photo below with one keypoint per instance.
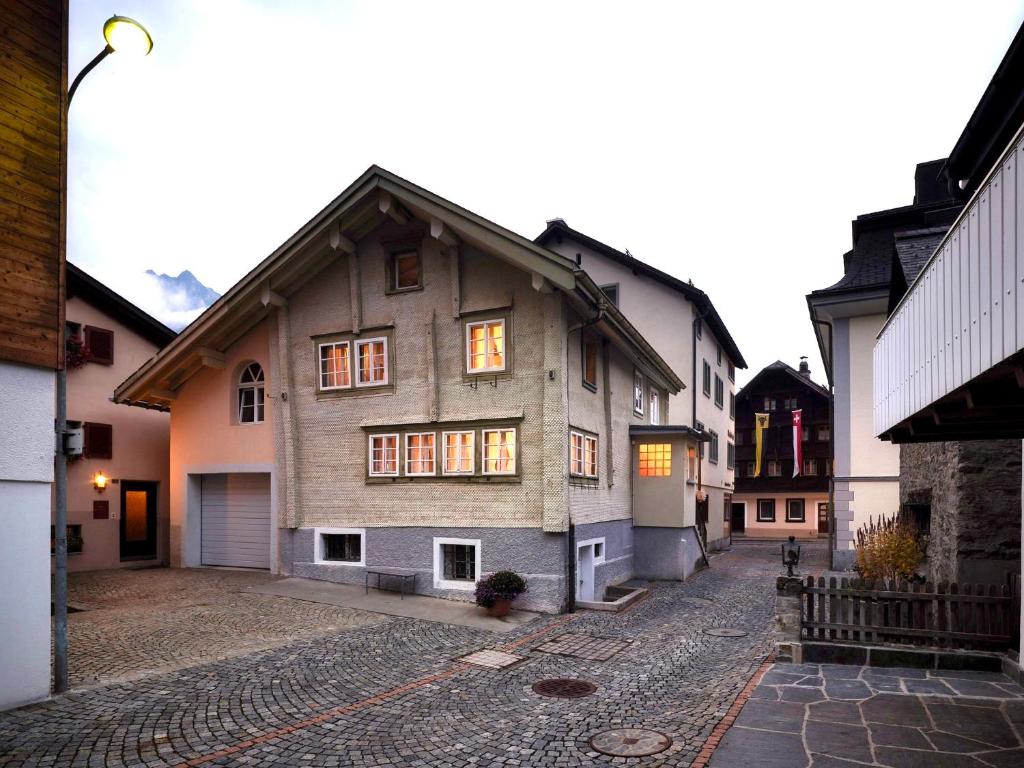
x,y
100,343
406,274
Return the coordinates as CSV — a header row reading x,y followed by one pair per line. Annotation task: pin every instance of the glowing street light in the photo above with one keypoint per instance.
x,y
122,35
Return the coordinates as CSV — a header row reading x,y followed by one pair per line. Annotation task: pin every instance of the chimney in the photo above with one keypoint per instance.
x,y
805,369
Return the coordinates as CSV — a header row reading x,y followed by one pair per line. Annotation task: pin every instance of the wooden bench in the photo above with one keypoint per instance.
x,y
406,578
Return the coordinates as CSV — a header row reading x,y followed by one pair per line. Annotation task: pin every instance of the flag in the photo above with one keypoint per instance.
x,y
760,425
798,443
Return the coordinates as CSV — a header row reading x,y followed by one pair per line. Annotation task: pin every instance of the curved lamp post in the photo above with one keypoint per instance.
x,y
127,35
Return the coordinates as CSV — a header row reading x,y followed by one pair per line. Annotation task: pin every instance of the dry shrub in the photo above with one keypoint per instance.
x,y
892,548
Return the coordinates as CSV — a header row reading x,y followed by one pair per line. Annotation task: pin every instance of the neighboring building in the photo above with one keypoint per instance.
x,y
949,358
776,503
405,385
847,316
33,155
127,522
684,326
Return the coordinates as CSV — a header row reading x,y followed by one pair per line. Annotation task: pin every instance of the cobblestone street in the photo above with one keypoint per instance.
x,y
395,693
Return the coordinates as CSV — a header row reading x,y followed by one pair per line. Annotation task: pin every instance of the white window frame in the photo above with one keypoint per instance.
x,y
444,452
387,362
319,550
369,454
598,559
655,406
597,456
439,581
408,471
768,466
483,451
577,469
504,341
256,386
320,364
638,393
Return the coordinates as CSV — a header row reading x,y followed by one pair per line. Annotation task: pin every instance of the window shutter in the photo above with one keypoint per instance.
x,y
101,345
99,441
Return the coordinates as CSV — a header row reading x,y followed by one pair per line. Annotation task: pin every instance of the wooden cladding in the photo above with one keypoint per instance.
x,y
100,343
99,440
33,83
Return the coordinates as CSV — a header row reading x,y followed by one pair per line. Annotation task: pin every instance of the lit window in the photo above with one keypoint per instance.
x,y
383,454
250,394
458,453
638,393
590,456
575,453
655,459
372,355
405,270
590,363
655,411
691,461
419,453
485,346
499,454
795,511
335,366
766,510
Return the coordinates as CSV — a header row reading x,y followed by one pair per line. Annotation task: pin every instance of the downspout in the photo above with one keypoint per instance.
x,y
693,419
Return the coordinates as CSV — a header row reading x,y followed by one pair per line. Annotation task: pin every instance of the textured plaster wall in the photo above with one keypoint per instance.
x,y
974,490
665,553
618,558
780,528
27,411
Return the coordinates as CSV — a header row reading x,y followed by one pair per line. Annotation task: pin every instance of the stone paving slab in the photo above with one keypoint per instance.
x,y
394,694
831,715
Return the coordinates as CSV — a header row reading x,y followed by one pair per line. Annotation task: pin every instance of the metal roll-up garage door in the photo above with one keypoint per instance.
x,y
236,520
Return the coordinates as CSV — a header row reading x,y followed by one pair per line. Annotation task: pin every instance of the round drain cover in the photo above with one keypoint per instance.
x,y
724,632
564,688
630,742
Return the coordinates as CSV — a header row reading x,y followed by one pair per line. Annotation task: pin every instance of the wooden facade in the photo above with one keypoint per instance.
x,y
33,149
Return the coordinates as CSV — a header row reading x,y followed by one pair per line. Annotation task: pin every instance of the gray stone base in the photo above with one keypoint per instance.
x,y
666,553
880,656
618,552
843,559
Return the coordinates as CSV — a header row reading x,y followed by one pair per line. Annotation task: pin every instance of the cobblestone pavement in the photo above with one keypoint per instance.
x,y
831,716
134,623
394,694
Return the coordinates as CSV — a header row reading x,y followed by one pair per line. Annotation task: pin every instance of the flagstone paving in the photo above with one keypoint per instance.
x,y
830,716
397,693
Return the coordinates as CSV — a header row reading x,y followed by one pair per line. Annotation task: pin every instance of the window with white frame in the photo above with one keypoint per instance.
x,y
824,433
638,393
499,451
383,455
795,511
456,563
713,447
655,407
774,468
405,270
590,455
342,546
766,510
576,453
419,453
770,404
335,365
810,466
371,362
250,394
485,346
458,453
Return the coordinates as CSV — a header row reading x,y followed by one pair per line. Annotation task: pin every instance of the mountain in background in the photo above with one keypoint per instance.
x,y
181,299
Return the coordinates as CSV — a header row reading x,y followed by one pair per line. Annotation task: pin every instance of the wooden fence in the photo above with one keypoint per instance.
x,y
977,617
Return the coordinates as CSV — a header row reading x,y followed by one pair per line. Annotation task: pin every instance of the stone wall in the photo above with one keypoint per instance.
x,y
973,489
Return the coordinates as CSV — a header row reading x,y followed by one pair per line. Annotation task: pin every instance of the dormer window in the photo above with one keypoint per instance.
x,y
250,394
485,346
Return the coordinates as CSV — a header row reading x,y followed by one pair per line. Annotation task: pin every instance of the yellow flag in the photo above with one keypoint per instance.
x,y
760,425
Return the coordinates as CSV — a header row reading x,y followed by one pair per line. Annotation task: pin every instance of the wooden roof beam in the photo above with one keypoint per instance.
x,y
390,208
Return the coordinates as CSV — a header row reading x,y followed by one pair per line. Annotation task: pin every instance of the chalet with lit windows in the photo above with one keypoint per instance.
x,y
778,501
406,387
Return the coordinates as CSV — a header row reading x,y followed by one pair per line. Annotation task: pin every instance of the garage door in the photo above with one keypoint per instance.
x,y
236,520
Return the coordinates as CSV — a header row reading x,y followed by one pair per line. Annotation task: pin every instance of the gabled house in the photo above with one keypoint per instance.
x,y
789,496
683,325
118,494
406,386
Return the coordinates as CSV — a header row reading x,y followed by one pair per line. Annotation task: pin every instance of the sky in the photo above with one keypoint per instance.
x,y
729,143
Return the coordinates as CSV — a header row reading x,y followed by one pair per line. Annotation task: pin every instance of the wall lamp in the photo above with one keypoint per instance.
x,y
121,34
99,482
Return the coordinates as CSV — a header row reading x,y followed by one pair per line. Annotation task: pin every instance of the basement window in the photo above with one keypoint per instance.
x,y
339,545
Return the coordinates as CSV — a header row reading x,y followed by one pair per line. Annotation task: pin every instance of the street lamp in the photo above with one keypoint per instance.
x,y
126,35
122,35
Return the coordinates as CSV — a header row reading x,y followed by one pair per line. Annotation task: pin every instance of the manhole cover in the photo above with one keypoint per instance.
x,y
630,742
564,688
724,632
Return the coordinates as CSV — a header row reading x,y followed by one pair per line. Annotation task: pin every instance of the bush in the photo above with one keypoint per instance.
x,y
504,585
892,548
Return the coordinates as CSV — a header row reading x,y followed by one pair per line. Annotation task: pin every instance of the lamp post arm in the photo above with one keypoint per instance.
x,y
107,50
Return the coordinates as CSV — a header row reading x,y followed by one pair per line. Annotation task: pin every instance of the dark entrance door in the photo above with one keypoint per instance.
x,y
823,517
138,520
739,518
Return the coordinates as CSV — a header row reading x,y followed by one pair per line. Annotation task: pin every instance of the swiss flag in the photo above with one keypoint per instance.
x,y
798,443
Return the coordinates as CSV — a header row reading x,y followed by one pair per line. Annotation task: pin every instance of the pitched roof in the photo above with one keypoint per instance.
x,y
787,370
915,247
355,212
558,227
80,283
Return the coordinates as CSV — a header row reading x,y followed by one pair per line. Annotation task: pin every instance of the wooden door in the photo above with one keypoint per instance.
x,y
138,520
823,518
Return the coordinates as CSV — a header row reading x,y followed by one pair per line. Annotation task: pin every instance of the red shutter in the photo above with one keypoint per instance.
x,y
99,441
100,343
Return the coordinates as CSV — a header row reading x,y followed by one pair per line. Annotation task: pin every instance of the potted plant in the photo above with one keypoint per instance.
x,y
497,591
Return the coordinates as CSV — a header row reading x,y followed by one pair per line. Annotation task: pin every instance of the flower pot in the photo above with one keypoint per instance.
x,y
500,608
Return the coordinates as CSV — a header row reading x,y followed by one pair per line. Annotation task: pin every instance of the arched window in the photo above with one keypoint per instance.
x,y
250,394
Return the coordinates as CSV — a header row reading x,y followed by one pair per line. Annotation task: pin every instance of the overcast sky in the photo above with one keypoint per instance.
x,y
730,143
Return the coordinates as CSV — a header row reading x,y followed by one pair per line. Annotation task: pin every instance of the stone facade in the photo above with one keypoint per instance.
x,y
973,492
